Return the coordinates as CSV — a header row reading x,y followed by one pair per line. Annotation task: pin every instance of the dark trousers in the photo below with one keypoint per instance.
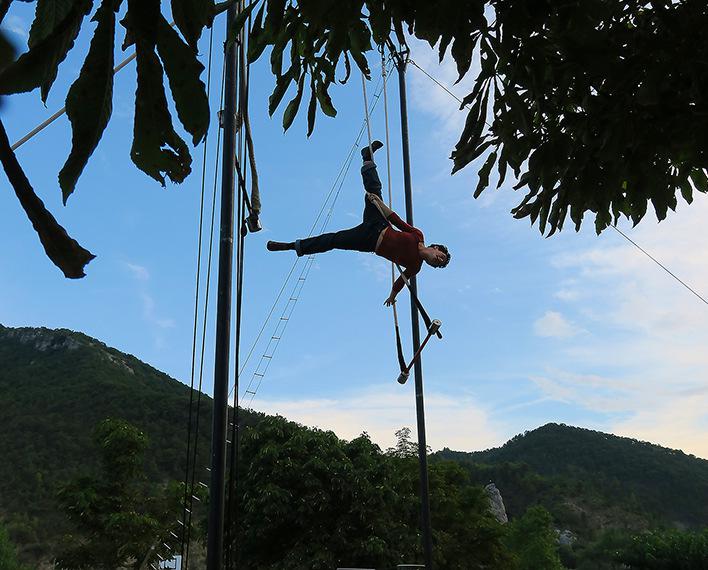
x,y
359,238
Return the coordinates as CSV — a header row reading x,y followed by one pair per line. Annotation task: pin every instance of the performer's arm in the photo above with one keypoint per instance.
x,y
380,204
398,285
393,217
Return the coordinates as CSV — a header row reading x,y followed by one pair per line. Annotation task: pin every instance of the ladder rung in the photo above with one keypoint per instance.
x,y
284,318
275,338
258,374
250,392
267,356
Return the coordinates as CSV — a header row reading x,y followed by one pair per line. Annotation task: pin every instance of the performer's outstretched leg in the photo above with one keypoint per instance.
x,y
358,238
372,183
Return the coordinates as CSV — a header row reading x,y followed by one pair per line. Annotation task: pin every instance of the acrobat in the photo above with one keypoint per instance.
x,y
404,245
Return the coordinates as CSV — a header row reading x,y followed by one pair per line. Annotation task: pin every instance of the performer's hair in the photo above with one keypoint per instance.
x,y
444,250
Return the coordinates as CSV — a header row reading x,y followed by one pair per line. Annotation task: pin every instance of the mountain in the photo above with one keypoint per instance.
x,y
659,484
55,386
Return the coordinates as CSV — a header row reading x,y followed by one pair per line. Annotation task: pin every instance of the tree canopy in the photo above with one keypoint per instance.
x,y
596,106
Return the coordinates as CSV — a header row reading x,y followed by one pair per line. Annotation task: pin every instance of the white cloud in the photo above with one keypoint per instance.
x,y
644,365
567,294
138,271
150,313
458,423
432,98
555,325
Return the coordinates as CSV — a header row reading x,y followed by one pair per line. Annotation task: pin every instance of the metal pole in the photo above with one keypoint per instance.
x,y
215,538
401,62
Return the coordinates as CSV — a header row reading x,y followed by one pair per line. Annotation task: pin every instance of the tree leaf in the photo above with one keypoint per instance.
x,y
38,67
311,108
686,191
157,148
325,100
64,251
294,105
48,16
258,39
379,21
281,86
484,174
183,71
90,100
700,180
191,17
239,21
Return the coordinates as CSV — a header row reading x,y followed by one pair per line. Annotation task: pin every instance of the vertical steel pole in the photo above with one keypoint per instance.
x,y
401,62
215,538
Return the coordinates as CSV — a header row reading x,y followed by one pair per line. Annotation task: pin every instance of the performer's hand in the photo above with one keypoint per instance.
x,y
390,301
371,197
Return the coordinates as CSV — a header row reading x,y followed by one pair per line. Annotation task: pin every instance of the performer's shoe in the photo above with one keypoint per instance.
x,y
280,245
366,152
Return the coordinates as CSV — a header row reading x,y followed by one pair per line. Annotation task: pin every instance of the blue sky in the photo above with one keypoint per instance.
x,y
576,328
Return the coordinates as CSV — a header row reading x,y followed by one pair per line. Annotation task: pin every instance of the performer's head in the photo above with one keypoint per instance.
x,y
436,255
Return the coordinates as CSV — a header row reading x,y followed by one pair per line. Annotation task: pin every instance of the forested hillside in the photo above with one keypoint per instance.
x,y
346,502
55,387
649,480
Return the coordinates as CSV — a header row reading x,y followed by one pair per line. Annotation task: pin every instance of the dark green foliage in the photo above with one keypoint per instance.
x,y
8,554
121,521
592,104
533,541
596,106
311,501
56,26
57,385
666,550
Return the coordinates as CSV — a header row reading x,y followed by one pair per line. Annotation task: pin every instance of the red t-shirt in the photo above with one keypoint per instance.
x,y
402,248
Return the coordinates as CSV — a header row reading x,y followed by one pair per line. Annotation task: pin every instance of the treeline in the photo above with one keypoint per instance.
x,y
307,500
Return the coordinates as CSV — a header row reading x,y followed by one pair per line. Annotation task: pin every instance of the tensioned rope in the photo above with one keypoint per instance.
x,y
397,330
625,236
299,284
645,252
262,366
423,313
192,483
196,314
